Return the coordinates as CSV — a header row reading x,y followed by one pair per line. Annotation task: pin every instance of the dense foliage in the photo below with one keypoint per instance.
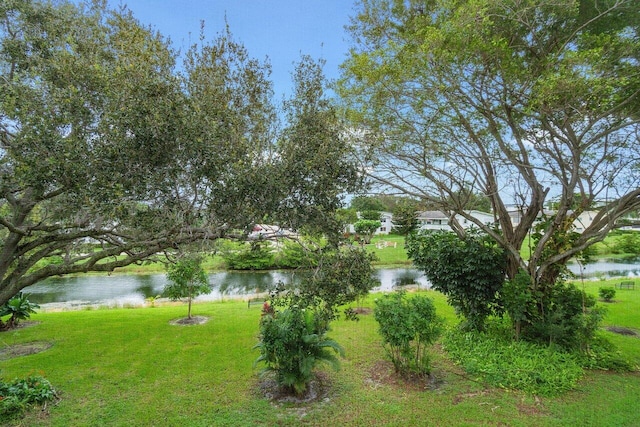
x,y
470,271
520,365
17,395
408,326
110,154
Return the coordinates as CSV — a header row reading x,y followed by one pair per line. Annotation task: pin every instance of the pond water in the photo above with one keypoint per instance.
x,y
607,268
131,289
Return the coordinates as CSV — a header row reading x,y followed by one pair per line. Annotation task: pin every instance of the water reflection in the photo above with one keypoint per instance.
x,y
120,289
607,268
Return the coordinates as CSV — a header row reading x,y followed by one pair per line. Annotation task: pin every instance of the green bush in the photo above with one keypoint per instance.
x,y
292,343
570,319
256,255
470,271
519,365
408,326
17,395
607,293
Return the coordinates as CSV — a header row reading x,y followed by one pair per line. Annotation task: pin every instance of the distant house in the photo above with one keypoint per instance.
x,y
386,224
436,220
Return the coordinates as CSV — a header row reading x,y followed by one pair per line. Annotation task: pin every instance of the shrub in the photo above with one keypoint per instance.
x,y
292,343
570,319
19,308
17,395
408,326
256,255
470,271
607,293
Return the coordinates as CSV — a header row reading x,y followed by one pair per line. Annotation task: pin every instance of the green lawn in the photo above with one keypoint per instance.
x,y
131,367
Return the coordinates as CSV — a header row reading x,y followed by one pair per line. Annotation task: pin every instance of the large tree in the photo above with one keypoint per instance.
x,y
109,155
520,101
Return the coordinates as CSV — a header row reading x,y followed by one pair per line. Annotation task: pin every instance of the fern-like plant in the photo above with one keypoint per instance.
x,y
292,343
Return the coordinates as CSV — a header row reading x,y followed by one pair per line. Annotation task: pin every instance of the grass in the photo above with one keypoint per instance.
x,y
131,367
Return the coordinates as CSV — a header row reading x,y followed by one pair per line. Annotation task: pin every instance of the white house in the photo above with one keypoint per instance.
x,y
436,220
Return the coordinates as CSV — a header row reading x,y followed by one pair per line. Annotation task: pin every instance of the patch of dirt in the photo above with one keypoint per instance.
x,y
194,320
383,373
362,310
622,331
25,349
318,390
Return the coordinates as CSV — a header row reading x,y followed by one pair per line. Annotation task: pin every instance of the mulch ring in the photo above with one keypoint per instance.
x,y
24,349
194,320
622,331
383,373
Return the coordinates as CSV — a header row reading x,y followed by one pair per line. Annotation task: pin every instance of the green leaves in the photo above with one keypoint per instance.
x,y
469,272
187,279
408,325
19,308
292,343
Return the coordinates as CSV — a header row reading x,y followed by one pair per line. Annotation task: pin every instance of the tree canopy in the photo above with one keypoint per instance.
x,y
110,153
521,102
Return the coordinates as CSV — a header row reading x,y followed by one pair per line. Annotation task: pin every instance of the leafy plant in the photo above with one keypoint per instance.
x,y
187,279
292,343
570,319
408,326
607,293
256,255
520,365
17,395
19,308
470,271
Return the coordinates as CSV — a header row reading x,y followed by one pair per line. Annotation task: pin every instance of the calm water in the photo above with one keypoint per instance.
x,y
121,289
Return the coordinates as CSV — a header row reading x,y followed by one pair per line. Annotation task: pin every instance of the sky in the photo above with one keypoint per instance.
x,y
281,30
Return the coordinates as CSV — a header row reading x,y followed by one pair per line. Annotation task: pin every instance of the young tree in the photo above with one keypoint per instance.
x,y
187,279
521,102
367,228
103,144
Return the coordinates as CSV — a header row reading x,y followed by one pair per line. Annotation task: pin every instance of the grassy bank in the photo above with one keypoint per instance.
x,y
131,367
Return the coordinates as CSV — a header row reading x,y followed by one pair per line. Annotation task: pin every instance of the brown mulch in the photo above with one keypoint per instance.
x,y
383,373
318,390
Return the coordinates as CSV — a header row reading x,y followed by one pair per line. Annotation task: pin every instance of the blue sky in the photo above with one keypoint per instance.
x,y
282,30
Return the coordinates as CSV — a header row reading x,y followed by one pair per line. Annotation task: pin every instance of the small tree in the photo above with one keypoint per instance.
x,y
367,227
408,326
187,279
